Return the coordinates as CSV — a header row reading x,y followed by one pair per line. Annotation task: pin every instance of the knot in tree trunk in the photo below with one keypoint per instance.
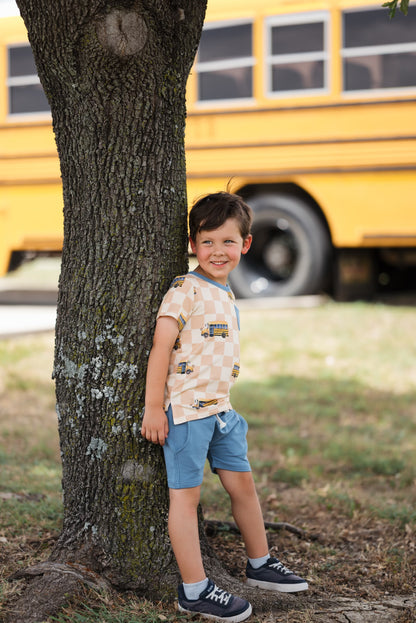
x,y
123,33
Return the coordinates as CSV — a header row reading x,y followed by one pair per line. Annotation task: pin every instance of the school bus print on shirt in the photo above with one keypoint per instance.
x,y
214,329
184,367
177,282
181,322
200,404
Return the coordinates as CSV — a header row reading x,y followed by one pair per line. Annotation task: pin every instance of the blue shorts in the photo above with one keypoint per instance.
x,y
220,439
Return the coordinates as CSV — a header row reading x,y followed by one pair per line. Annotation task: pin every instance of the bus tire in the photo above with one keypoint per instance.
x,y
17,258
290,252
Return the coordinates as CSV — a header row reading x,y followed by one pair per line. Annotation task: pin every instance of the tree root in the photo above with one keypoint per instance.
x,y
77,571
52,585
213,526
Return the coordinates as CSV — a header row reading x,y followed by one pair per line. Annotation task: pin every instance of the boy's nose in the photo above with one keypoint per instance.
x,y
217,249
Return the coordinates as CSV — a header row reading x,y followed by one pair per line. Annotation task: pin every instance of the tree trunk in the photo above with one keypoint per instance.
x,y
115,74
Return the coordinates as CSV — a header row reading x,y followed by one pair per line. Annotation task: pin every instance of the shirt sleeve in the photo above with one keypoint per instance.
x,y
178,301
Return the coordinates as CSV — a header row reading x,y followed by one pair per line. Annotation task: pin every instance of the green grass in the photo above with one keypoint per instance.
x,y
330,397
329,394
30,471
125,613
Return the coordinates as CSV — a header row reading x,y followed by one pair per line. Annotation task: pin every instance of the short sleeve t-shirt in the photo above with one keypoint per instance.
x,y
205,360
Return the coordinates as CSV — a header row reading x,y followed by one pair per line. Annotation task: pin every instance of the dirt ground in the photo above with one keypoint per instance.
x,y
359,570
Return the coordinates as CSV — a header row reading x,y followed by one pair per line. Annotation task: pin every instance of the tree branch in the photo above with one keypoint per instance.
x,y
213,526
393,5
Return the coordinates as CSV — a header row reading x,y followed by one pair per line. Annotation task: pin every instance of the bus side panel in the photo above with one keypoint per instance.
x,y
31,219
367,208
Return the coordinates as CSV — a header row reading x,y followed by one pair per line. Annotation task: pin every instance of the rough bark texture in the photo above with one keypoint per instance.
x,y
115,74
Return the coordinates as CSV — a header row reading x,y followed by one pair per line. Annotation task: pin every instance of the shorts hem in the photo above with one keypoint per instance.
x,y
230,469
187,486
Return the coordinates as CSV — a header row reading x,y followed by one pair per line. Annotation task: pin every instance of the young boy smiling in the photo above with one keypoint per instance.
x,y
192,365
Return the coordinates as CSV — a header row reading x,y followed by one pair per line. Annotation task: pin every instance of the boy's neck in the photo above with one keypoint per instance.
x,y
199,272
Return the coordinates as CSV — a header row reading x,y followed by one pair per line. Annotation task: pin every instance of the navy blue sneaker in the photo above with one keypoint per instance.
x,y
214,603
274,576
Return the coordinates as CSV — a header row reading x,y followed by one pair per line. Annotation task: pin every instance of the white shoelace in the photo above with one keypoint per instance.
x,y
280,567
217,594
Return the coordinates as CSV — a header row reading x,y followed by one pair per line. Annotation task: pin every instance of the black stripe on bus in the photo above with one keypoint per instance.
x,y
388,236
289,172
330,141
29,156
32,182
346,104
246,174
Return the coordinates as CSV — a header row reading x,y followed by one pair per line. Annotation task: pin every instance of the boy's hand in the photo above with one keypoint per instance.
x,y
155,426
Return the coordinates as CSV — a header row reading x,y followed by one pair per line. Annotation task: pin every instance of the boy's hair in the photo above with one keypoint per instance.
x,y
211,211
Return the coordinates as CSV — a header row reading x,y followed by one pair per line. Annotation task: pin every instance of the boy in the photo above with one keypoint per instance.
x,y
192,364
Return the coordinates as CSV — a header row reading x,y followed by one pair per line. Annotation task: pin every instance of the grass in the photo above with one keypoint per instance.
x,y
29,457
120,612
329,394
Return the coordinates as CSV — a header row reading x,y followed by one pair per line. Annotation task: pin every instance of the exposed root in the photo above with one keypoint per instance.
x,y
51,586
79,572
212,526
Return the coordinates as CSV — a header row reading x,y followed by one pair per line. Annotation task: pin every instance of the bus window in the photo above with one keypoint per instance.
x,y
225,62
26,94
297,53
378,53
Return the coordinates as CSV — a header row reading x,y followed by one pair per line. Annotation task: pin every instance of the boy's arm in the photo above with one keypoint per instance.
x,y
155,423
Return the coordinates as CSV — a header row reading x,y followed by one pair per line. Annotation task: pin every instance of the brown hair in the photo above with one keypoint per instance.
x,y
211,211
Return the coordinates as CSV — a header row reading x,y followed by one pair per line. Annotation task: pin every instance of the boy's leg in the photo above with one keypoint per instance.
x,y
246,510
270,574
185,451
183,533
212,602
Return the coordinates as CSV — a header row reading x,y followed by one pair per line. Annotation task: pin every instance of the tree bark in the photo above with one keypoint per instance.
x,y
115,75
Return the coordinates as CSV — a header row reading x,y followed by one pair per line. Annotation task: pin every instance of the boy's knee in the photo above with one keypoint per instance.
x,y
237,483
185,497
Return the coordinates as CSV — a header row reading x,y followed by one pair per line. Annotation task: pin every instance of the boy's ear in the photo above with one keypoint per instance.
x,y
192,243
246,244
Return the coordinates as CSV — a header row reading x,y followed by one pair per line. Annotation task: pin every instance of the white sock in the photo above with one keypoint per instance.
x,y
193,591
256,563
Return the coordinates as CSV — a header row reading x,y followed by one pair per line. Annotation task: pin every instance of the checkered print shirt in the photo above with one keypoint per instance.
x,y
205,360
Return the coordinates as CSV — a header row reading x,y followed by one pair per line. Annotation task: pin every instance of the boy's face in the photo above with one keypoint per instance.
x,y
218,251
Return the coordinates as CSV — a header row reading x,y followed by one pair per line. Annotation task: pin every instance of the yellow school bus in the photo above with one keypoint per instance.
x,y
307,108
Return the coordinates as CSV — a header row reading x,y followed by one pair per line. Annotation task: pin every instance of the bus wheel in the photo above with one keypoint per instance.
x,y
290,252
16,259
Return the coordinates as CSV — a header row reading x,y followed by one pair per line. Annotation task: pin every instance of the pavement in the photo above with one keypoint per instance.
x,y
28,298
25,319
